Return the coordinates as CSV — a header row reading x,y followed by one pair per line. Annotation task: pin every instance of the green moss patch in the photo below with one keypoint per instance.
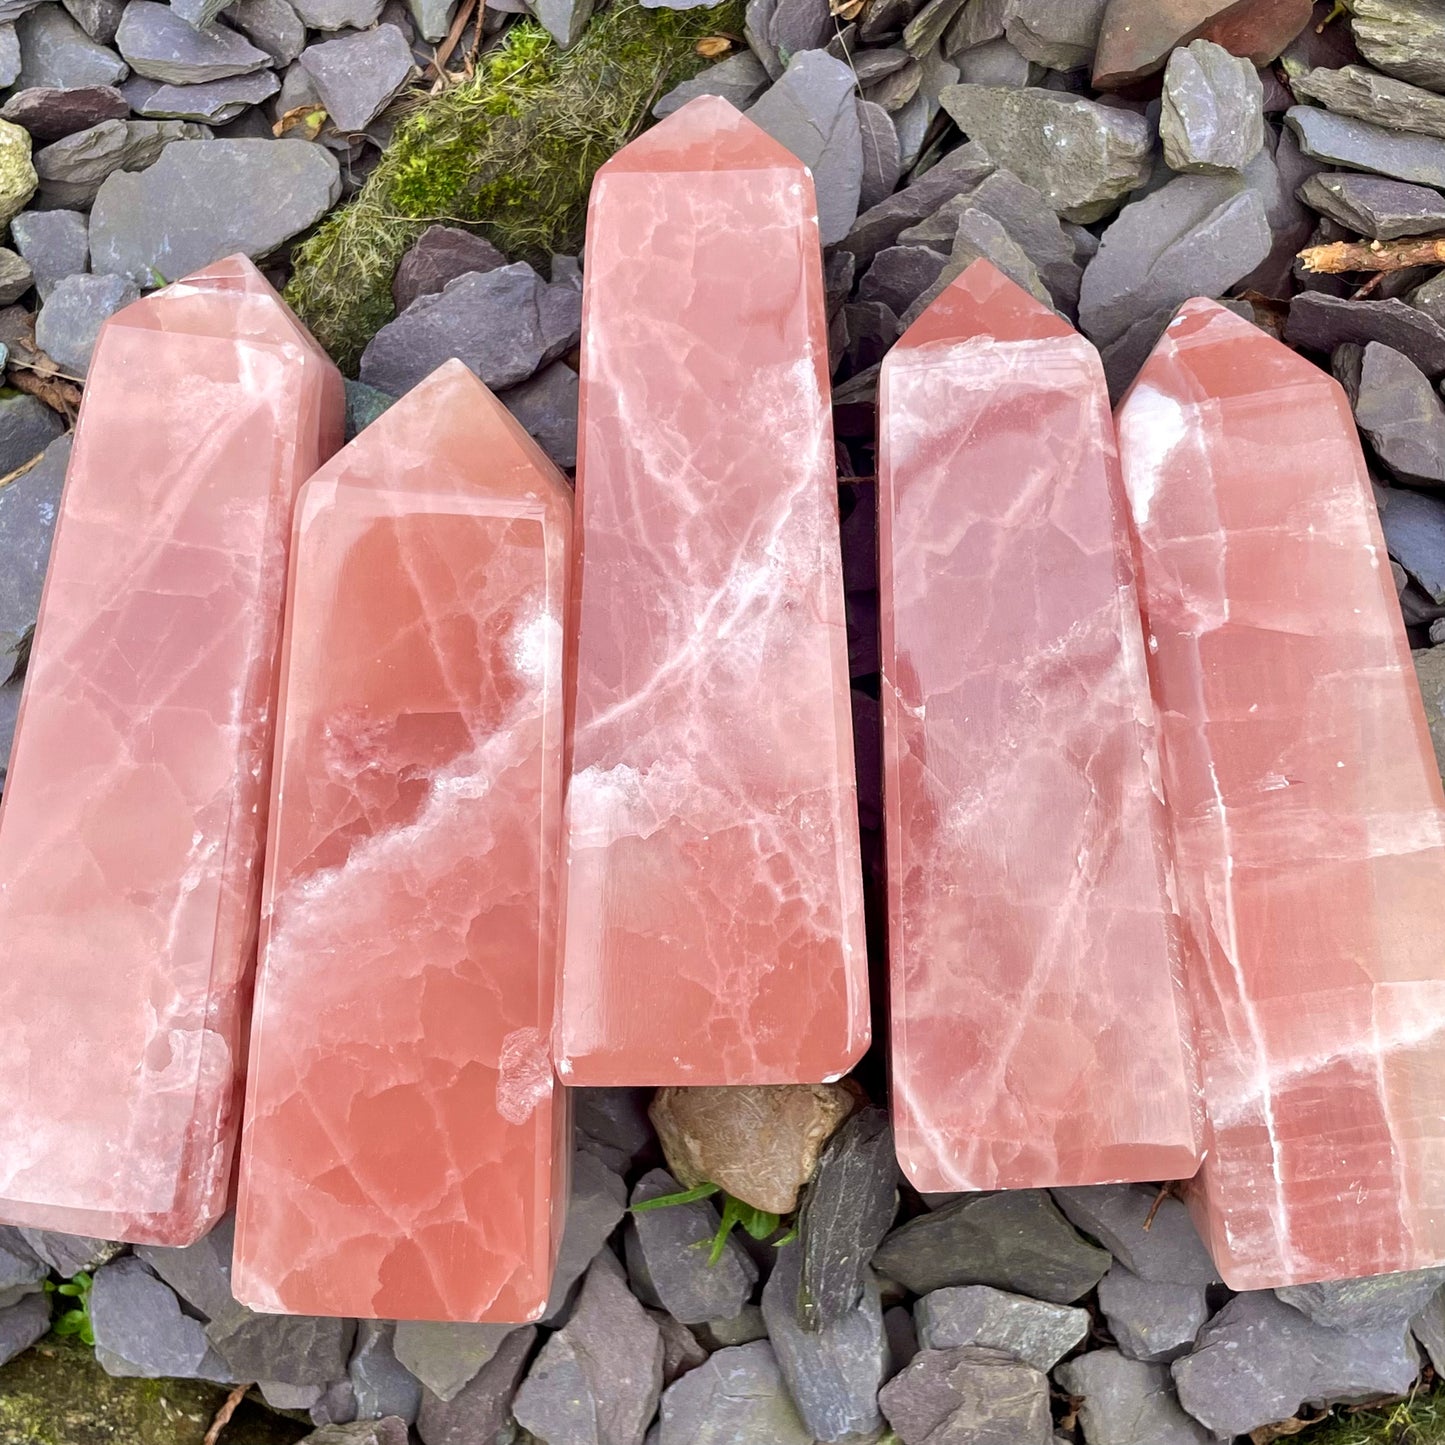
x,y
509,153
1417,1421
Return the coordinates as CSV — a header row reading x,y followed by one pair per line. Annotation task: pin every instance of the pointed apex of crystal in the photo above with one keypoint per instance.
x,y
706,134
1199,354
451,410
984,302
229,298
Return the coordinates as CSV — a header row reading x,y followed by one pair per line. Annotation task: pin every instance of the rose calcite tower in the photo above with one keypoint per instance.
x,y
1038,1019
713,897
134,812
400,1144
1306,810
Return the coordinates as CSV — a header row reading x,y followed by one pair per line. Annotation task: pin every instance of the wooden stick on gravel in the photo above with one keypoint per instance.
x,y
1409,251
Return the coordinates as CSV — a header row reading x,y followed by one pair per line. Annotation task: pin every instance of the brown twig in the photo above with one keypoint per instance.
x,y
223,1415
443,52
1340,256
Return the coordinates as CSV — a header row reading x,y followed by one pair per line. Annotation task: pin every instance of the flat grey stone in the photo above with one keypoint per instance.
x,y
445,1355
1016,1240
880,226
9,56
1039,1334
736,1398
977,23
1318,322
358,75
739,78
546,405
1404,38
1365,1304
1429,298
272,25
1404,417
1358,91
900,275
360,1432
681,1349
599,1196
381,1384
996,62
672,1245
968,1396
438,256
981,237
49,114
1168,1251
213,101
503,324
290,1349
159,44
433,18
56,54
1194,236
1344,141
563,20
1150,1320
1258,1361
872,65
1428,1326
1084,157
1127,1402
12,10
739,1329
896,89
481,1410
1374,205
289,1397
199,13
98,18
23,1324
798,25
338,14
70,320
29,506
197,204
1030,223
140,1330
16,277
845,1213
67,1254
882,160
810,109
1414,527
1058,37
20,1266
72,169
610,1123
1212,116
833,1372
283,1349
337,1407
598,1379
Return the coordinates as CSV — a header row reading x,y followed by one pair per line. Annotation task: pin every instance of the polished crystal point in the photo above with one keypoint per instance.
x,y
713,895
1039,1027
1305,807
400,1145
134,811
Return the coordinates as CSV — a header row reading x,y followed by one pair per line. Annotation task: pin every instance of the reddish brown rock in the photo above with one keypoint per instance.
x,y
1137,36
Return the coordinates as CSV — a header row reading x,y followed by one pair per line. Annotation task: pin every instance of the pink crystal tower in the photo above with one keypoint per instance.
x,y
400,1144
1306,810
713,897
1039,1026
134,812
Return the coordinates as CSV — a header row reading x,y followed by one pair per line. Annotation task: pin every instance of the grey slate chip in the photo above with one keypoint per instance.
x,y
1343,141
1318,322
1213,109
55,53
1037,1333
955,1397
70,320
482,1409
736,1398
1150,1320
1127,1402
1375,206
444,1355
358,75
159,44
739,78
1154,1238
